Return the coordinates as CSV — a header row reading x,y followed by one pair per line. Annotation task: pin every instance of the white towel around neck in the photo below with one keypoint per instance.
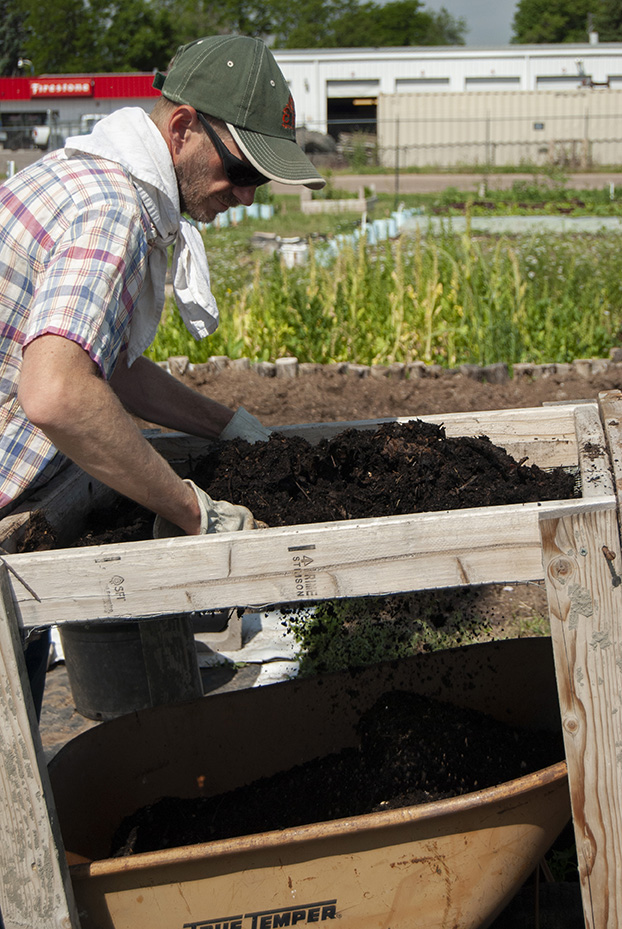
x,y
130,139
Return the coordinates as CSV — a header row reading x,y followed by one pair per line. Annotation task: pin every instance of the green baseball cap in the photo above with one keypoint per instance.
x,y
236,78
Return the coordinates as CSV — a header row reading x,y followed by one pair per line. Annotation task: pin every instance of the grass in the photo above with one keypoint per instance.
x,y
333,635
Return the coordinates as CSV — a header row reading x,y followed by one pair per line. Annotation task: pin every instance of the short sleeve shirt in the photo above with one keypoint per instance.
x,y
73,257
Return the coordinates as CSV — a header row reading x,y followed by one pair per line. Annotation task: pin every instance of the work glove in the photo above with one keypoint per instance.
x,y
216,516
245,426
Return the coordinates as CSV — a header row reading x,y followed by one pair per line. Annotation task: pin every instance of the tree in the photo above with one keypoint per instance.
x,y
72,36
446,29
260,18
399,22
552,21
607,20
330,24
12,37
320,23
133,36
61,35
69,36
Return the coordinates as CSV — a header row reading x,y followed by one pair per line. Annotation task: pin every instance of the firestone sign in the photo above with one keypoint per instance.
x,y
61,88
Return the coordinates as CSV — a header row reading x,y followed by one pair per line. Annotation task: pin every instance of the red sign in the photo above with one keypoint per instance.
x,y
61,87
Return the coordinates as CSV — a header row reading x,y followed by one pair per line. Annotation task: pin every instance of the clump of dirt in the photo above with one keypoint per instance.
x,y
38,535
412,750
122,521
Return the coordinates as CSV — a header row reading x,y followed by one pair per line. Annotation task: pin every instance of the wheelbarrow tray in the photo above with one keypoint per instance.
x,y
451,862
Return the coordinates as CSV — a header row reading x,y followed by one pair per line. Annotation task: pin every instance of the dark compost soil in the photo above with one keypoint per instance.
x,y
393,470
412,750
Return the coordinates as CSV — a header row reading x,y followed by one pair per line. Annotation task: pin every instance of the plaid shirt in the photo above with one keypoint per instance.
x,y
73,257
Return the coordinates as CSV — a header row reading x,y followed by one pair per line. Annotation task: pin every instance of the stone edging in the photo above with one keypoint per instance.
x,y
492,374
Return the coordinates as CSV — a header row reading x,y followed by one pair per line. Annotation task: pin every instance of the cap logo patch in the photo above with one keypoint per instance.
x,y
289,114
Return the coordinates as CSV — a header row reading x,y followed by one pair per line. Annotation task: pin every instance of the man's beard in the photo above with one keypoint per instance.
x,y
192,180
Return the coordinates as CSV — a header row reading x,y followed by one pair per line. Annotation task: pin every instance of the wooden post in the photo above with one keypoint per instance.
x,y
582,569
35,889
610,405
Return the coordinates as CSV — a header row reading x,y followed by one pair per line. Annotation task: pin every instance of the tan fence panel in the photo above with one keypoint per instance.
x,y
577,128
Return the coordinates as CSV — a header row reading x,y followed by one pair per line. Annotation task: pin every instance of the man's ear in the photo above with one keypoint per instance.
x,y
182,123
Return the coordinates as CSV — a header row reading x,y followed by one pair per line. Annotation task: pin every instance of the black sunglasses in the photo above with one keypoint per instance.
x,y
240,173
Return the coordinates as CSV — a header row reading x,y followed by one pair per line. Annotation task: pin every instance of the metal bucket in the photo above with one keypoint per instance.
x,y
454,862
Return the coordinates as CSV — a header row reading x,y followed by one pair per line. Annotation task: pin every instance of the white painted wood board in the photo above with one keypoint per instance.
x,y
35,889
294,564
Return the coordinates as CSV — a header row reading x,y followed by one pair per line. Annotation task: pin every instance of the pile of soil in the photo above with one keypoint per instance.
x,y
394,470
412,750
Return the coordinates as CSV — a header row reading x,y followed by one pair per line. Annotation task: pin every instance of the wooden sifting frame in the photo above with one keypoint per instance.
x,y
573,545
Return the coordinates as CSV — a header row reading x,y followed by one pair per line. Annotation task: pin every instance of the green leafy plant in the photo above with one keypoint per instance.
x,y
349,633
563,863
443,298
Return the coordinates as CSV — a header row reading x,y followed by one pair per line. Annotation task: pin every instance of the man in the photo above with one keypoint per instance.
x,y
84,235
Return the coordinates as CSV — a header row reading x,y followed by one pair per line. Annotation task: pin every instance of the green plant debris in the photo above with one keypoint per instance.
x,y
340,634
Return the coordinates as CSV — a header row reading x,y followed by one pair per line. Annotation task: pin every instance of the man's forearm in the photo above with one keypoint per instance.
x,y
155,396
63,395
112,449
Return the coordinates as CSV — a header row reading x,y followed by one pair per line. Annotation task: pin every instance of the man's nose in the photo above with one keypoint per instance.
x,y
245,195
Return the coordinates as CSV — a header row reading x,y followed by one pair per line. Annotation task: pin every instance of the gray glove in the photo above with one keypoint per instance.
x,y
245,426
216,516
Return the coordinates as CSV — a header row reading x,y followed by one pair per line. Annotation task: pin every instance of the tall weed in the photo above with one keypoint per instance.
x,y
447,299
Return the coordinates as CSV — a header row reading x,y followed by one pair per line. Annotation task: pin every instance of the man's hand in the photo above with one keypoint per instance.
x,y
244,425
216,516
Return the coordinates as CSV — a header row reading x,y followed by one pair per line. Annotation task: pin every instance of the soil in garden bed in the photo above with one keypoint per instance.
x,y
412,750
396,469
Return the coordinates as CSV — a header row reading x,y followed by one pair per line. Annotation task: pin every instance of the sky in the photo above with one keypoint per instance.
x,y
489,22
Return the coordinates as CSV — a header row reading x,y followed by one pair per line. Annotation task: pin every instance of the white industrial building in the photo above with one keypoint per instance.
x,y
460,105
442,105
335,86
